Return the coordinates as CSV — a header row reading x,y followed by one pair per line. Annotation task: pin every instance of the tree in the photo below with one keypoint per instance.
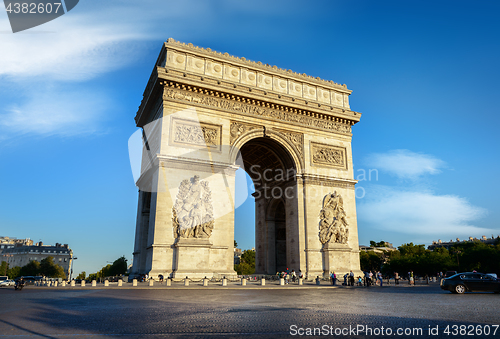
x,y
3,268
49,269
235,244
377,244
82,275
31,268
370,261
14,272
119,267
247,263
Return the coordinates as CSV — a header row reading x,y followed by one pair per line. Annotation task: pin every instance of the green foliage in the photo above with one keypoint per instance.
x,y
247,263
377,244
370,261
49,269
235,244
464,257
14,272
82,275
119,267
31,268
3,268
46,267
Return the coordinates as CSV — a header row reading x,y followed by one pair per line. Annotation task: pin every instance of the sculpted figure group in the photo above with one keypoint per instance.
x,y
333,223
193,210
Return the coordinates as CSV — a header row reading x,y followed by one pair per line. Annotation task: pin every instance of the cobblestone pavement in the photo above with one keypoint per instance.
x,y
42,312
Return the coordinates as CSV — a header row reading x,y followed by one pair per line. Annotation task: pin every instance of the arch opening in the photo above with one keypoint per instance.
x,y
273,172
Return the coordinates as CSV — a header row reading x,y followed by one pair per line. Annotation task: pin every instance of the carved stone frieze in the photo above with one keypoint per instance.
x,y
328,155
297,139
186,132
193,215
239,128
333,225
265,110
328,182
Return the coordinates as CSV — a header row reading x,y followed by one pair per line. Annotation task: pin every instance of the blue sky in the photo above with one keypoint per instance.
x,y
424,74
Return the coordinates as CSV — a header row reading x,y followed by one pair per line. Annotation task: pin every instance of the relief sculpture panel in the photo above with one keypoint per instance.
x,y
192,133
328,155
333,225
193,215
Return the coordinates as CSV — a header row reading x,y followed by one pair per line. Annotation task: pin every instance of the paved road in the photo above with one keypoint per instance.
x,y
40,312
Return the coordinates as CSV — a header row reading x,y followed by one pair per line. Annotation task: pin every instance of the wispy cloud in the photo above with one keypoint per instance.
x,y
420,213
405,164
52,113
72,51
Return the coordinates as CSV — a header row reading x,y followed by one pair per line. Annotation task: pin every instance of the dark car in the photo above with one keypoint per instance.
x,y
450,273
471,282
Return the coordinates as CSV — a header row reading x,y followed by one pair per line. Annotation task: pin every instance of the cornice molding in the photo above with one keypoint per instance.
x,y
288,73
174,91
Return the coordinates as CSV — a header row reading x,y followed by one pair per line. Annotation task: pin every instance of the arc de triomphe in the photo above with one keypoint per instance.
x,y
205,114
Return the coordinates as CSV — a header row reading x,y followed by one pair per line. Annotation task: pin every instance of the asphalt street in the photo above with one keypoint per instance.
x,y
237,311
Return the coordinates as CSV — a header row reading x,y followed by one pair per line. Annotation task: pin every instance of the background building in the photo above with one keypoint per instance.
x,y
450,243
6,242
20,254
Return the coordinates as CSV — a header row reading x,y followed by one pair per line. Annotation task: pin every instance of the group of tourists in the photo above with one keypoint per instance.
x,y
289,275
369,279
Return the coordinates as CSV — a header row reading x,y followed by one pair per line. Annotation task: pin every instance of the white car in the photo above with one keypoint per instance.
x,y
7,283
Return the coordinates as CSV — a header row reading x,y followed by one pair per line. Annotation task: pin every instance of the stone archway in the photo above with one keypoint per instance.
x,y
271,166
205,114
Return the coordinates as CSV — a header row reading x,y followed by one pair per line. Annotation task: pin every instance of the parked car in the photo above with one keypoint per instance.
x,y
450,273
9,282
471,282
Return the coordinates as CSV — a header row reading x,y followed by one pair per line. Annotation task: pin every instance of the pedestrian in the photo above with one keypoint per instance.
x,y
351,278
160,277
331,278
334,278
396,278
367,279
380,278
412,278
294,276
345,280
360,281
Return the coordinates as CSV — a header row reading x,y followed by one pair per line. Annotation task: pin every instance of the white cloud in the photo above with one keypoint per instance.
x,y
73,50
420,213
406,164
54,113
92,39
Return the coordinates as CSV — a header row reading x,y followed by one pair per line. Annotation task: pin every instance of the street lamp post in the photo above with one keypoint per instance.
x,y
71,270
